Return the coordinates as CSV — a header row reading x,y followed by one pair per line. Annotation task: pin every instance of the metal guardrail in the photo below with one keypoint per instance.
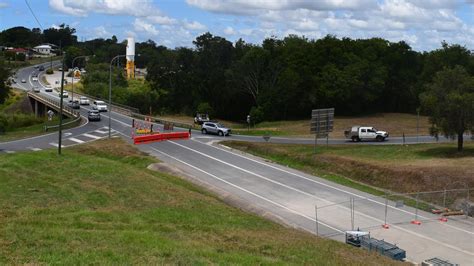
x,y
55,105
46,128
120,108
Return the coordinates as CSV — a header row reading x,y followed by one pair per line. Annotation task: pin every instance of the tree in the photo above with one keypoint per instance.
x,y
4,89
449,100
62,36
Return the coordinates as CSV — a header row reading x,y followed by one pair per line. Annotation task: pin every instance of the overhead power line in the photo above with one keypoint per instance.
x,y
33,13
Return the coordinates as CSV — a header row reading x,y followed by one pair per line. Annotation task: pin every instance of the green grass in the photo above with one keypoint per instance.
x,y
98,204
34,130
377,169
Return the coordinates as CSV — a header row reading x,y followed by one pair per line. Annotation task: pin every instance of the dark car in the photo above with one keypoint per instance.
x,y
41,68
93,115
74,104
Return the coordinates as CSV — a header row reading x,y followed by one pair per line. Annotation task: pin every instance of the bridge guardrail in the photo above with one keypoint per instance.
x,y
55,104
117,107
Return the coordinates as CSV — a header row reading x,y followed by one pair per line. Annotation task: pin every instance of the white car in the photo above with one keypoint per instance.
x,y
36,89
100,106
48,88
83,100
65,94
35,79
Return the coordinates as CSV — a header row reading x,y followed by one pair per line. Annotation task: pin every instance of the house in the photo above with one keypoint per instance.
x,y
43,49
20,51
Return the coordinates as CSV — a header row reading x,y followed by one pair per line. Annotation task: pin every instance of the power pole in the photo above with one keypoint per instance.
x,y
61,108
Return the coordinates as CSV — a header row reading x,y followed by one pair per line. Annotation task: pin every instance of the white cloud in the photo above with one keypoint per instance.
x,y
60,6
141,25
101,32
3,5
139,8
252,7
194,25
162,20
229,31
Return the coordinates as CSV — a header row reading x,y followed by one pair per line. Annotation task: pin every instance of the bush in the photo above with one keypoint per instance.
x,y
49,71
3,124
205,108
256,115
13,121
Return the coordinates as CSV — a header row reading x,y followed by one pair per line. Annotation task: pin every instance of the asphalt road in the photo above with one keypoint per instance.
x,y
291,196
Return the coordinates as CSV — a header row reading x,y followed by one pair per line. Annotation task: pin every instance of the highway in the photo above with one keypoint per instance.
x,y
283,194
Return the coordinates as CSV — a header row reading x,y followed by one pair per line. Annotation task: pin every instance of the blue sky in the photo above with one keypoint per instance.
x,y
421,23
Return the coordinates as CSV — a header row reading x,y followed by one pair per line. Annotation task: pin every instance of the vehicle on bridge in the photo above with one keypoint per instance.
x,y
100,106
359,133
48,88
34,78
65,94
36,89
215,128
23,81
74,104
83,100
93,115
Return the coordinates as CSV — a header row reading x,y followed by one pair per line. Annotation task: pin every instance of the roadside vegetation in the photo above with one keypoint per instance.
x,y
376,169
78,209
17,120
397,124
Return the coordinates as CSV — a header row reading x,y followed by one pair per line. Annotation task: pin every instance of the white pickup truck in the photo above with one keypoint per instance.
x,y
358,133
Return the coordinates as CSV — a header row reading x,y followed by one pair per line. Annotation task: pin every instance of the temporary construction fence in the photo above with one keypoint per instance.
x,y
384,211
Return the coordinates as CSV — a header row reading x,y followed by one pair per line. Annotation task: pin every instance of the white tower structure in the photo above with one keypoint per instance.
x,y
130,58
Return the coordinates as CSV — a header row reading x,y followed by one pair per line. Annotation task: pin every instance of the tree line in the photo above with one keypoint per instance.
x,y
279,78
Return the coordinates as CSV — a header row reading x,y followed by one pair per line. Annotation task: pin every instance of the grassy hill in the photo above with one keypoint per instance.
x,y
98,204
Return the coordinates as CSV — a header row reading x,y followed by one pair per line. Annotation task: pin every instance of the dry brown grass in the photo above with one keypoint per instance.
x,y
396,124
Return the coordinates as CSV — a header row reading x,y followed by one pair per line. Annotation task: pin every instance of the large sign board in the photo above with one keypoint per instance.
x,y
322,121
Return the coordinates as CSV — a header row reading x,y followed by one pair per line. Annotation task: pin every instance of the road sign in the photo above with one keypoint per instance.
x,y
322,121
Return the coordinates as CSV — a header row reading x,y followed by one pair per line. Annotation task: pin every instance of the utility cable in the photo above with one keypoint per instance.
x,y
31,10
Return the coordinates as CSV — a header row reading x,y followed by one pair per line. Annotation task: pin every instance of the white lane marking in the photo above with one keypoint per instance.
x,y
35,149
335,188
249,192
91,136
56,145
101,131
311,195
67,134
76,140
9,151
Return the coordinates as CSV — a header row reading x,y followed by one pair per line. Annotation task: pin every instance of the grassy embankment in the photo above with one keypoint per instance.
x,y
395,123
21,124
375,169
78,209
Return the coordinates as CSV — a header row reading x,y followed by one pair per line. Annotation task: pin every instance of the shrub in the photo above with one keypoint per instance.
x,y
12,121
256,115
205,108
49,71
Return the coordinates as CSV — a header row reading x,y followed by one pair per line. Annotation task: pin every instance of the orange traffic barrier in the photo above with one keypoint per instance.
x,y
160,137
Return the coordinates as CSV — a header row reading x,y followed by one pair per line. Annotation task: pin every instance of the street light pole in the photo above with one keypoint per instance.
x,y
110,91
72,79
